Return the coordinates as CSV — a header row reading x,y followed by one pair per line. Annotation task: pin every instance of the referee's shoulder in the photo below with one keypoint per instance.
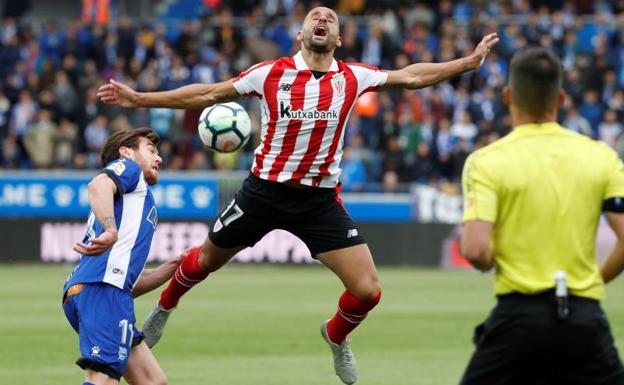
x,y
493,148
590,143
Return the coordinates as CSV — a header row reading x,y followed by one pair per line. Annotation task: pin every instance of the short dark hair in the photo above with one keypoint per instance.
x,y
126,138
535,77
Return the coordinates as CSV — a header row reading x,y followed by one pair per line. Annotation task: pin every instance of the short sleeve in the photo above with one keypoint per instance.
x,y
251,82
368,77
125,173
615,176
479,189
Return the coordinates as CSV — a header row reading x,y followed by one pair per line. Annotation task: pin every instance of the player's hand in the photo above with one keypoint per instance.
x,y
98,245
118,94
483,48
172,264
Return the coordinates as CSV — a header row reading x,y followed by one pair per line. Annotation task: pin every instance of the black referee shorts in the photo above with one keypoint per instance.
x,y
315,215
523,343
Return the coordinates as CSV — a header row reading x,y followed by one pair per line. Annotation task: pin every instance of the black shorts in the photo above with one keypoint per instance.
x,y
524,343
313,214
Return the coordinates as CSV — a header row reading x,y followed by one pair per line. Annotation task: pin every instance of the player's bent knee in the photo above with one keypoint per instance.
x,y
369,291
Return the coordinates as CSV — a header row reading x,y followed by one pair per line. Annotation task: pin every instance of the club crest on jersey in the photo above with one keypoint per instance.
x,y
338,85
118,168
286,111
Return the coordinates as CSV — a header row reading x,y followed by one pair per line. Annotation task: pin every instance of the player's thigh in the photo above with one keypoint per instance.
x,y
143,368
105,336
241,224
213,257
356,269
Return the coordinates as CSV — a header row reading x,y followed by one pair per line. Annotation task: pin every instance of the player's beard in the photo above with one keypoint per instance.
x,y
327,46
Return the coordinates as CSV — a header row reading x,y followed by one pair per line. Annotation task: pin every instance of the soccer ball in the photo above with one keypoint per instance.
x,y
224,127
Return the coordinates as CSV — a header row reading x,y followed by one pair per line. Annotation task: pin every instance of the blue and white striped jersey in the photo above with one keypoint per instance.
x,y
135,216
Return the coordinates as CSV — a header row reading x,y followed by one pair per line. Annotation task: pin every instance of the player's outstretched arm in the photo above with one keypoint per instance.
x,y
614,263
102,191
154,278
193,96
422,75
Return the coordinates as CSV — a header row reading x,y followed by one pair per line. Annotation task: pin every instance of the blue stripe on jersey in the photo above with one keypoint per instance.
x,y
135,216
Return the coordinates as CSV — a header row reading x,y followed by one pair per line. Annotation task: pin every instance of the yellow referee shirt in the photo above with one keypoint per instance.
x,y
543,187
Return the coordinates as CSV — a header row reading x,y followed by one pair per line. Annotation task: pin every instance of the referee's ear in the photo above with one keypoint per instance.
x,y
560,98
506,96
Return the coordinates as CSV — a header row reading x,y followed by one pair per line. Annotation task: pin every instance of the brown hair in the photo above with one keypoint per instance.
x,y
126,138
535,77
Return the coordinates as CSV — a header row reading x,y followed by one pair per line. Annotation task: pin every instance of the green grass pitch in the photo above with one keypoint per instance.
x,y
259,325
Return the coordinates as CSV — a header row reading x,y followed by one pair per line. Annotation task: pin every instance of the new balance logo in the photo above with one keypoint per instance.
x,y
286,112
285,87
352,233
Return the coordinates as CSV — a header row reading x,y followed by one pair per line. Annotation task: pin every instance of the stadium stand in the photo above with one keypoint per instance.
x,y
49,71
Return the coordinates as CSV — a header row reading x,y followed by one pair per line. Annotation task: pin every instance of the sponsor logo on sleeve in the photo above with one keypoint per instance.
x,y
118,168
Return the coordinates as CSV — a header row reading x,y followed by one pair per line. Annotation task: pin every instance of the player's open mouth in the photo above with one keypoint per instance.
x,y
320,30
155,168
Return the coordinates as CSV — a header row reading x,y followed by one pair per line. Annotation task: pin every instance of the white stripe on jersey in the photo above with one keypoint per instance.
x,y
131,219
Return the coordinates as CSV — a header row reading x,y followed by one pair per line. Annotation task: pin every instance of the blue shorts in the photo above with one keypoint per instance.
x,y
103,317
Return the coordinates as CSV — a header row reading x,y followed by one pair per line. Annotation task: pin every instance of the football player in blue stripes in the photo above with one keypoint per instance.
x,y
98,297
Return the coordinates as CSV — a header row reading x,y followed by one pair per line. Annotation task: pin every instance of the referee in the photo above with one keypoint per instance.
x,y
532,203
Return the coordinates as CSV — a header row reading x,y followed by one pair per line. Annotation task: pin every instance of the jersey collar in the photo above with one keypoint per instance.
x,y
300,64
548,126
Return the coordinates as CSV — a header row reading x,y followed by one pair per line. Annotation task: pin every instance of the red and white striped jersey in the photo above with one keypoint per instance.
x,y
303,118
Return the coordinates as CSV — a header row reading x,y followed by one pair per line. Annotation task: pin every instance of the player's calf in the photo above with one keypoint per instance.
x,y
351,312
189,274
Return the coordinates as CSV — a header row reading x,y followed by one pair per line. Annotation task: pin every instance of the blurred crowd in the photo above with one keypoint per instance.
x,y
50,71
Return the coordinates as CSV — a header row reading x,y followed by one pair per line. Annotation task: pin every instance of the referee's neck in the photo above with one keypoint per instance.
x,y
519,118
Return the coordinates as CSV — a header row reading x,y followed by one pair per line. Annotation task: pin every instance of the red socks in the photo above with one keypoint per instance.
x,y
188,275
351,311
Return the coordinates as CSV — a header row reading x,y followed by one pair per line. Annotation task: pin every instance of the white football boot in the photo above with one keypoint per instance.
x,y
344,360
154,325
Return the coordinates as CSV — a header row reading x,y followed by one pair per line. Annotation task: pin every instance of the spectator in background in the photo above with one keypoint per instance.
x,y
616,103
444,148
40,140
610,129
66,143
95,136
353,176
5,109
576,122
65,96
22,119
464,129
592,110
422,167
207,70
161,121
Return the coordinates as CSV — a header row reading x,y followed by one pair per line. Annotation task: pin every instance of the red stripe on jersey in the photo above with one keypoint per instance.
x,y
297,97
270,95
350,96
326,94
